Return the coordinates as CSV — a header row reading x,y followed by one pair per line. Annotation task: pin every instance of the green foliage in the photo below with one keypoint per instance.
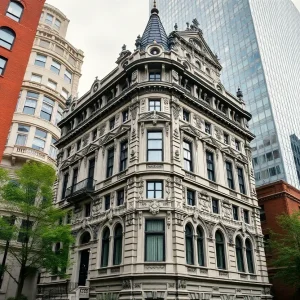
x,y
29,197
286,249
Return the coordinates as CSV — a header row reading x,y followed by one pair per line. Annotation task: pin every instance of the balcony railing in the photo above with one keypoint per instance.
x,y
84,186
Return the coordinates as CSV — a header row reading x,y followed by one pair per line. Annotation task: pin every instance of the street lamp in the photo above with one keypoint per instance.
x,y
11,222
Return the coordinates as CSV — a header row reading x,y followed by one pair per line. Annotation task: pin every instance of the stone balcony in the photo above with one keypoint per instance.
x,y
28,153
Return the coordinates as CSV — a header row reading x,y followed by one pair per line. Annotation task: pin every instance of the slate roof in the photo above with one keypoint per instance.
x,y
154,32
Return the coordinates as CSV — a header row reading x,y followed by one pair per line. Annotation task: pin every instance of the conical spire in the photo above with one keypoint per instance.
x,y
154,31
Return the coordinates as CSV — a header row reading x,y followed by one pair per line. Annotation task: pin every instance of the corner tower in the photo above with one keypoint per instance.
x,y
155,165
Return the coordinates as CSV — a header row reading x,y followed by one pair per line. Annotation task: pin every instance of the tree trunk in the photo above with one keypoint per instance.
x,y
21,281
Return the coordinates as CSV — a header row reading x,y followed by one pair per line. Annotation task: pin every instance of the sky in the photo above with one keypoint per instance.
x,y
100,28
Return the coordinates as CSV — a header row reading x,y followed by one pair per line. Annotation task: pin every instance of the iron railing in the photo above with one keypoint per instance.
x,y
86,185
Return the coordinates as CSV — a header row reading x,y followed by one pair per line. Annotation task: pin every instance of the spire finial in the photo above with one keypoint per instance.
x,y
154,10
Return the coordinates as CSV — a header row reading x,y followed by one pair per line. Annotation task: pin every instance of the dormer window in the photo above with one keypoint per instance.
x,y
154,51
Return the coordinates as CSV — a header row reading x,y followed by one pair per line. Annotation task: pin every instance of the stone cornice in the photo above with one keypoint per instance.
x,y
278,195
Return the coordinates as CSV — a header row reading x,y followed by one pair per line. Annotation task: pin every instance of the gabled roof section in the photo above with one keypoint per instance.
x,y
154,31
194,36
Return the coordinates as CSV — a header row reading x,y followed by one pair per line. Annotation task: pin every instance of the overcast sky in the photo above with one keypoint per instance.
x,y
100,28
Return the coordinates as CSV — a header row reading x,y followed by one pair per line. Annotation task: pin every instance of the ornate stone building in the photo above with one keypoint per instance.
x,y
155,164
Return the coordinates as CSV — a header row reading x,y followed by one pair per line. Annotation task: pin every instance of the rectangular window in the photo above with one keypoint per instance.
x,y
215,206
107,202
91,172
186,116
3,62
52,84
49,19
57,24
210,166
87,210
68,76
241,180
75,178
78,145
55,67
207,128
30,103
24,232
47,108
154,146
154,189
190,196
53,149
120,197
38,144
246,216
226,138
155,76
36,78
237,145
59,114
262,213
65,184
40,60
154,104
21,139
187,156
64,93
230,180
123,155
155,240
110,162
235,212
94,134
125,115
112,123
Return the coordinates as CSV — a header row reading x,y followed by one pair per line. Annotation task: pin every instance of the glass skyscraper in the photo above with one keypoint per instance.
x,y
258,44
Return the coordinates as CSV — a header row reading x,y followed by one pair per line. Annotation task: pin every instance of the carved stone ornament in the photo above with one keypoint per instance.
x,y
177,181
166,104
167,128
195,217
126,284
109,216
168,187
227,213
204,202
176,110
176,133
198,121
141,188
218,133
142,128
210,227
230,234
96,206
134,76
182,284
154,207
133,110
175,75
169,217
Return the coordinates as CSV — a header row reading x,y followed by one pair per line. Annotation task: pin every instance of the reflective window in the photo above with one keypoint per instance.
x,y
7,37
189,244
118,241
30,103
47,109
55,67
154,146
200,246
15,10
239,254
154,189
123,155
49,19
187,156
68,76
57,24
220,250
190,197
36,78
155,240
110,162
210,166
230,180
105,247
3,62
154,105
40,60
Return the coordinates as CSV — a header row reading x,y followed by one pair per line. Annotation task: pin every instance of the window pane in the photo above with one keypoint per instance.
x,y
14,11
155,144
7,37
38,144
21,140
154,156
155,135
41,133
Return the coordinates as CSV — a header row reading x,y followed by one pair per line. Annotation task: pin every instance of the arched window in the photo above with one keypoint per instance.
x,y
7,37
220,250
239,254
118,245
249,255
85,238
200,246
189,247
105,248
15,10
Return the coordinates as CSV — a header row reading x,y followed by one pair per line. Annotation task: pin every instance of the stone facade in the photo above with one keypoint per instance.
x,y
150,143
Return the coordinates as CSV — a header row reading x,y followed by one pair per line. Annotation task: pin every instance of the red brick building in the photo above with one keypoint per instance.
x,y
18,23
275,199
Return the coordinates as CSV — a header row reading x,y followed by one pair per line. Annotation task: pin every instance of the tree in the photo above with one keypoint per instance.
x,y
285,247
38,227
